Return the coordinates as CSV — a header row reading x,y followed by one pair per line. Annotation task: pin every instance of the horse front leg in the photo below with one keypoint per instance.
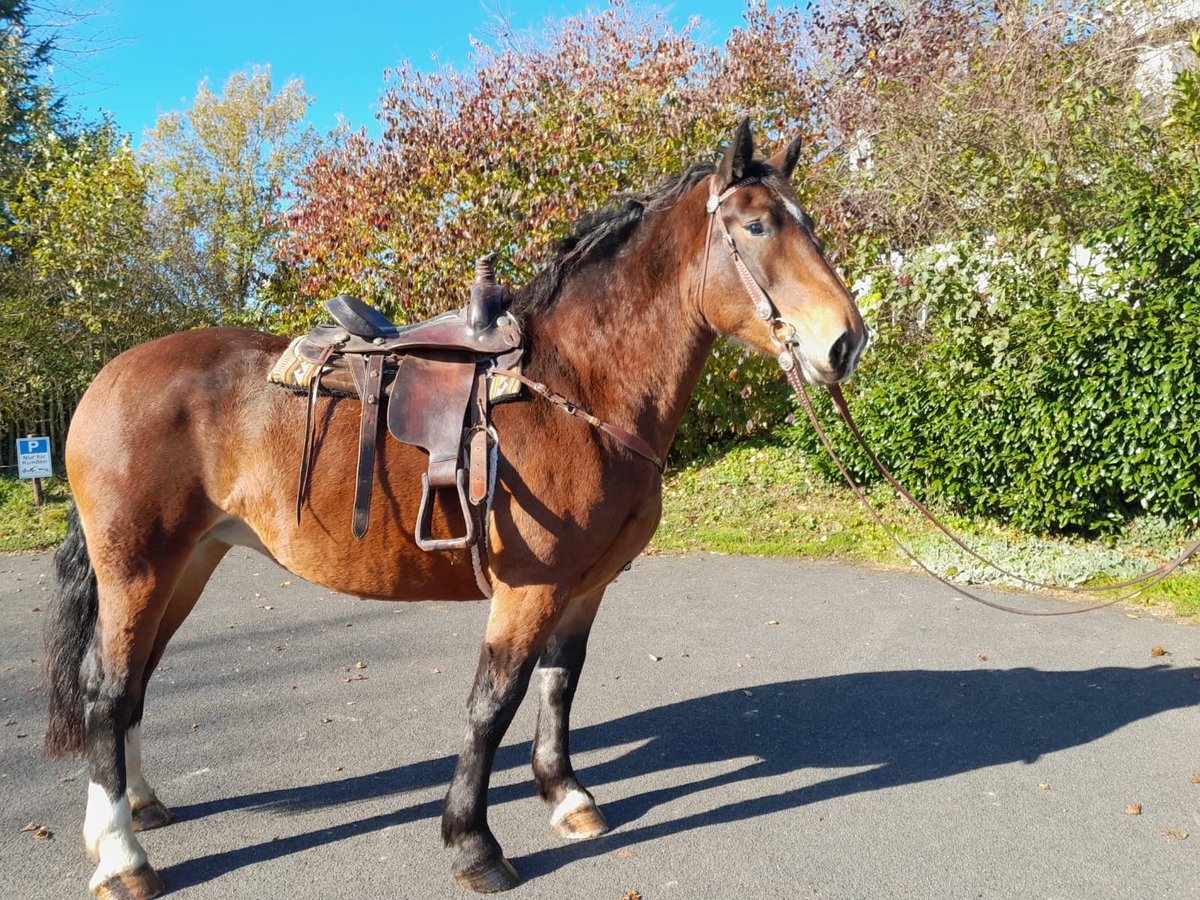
x,y
520,623
575,815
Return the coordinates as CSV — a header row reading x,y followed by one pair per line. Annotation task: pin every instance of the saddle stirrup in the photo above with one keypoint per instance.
x,y
424,535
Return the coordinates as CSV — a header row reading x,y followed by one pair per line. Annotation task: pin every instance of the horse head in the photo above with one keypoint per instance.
x,y
766,281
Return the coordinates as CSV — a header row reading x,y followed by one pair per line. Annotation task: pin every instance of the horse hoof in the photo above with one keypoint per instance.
x,y
577,818
488,878
151,815
140,884
582,824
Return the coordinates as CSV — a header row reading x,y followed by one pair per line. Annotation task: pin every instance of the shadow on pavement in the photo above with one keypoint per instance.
x,y
908,726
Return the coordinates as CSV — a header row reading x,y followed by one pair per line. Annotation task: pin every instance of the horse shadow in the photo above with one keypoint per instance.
x,y
898,728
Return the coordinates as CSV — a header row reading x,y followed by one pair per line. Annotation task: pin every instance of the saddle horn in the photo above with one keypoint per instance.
x,y
485,294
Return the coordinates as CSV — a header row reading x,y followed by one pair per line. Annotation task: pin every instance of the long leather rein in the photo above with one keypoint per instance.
x,y
786,341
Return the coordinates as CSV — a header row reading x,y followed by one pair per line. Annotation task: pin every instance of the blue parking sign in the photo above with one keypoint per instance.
x,y
33,457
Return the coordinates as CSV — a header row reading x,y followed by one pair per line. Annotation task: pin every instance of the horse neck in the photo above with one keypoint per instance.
x,y
625,334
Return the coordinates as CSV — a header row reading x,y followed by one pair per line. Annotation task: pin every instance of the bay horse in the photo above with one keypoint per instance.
x,y
180,449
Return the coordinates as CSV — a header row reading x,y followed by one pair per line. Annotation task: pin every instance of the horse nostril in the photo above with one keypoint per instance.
x,y
841,354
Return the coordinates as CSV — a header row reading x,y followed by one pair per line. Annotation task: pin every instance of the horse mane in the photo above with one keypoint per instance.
x,y
598,235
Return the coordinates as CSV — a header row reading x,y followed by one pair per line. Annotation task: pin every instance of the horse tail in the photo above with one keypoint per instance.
x,y
69,635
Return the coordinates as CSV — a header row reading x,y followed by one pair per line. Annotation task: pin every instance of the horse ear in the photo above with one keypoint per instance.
x,y
785,160
738,155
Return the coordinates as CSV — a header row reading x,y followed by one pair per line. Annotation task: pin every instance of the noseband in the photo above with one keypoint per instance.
x,y
783,334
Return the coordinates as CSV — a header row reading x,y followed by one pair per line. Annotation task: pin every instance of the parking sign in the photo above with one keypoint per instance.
x,y
33,457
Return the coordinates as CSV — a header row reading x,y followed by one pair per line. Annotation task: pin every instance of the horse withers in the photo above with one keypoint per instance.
x,y
180,449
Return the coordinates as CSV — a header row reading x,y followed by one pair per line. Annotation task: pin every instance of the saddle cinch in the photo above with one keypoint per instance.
x,y
432,377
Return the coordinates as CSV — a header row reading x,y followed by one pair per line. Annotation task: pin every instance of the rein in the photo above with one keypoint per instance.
x,y
1146,579
791,362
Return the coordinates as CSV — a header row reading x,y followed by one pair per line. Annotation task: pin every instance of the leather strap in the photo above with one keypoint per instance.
x,y
368,375
477,444
763,305
626,438
310,425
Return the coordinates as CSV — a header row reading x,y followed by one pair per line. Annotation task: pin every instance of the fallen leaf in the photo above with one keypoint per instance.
x,y
626,854
1043,786
435,671
748,693
195,727
44,834
1133,809
337,768
982,657
1131,616
771,622
654,658
32,826
1196,778
1175,833
285,584
355,678
360,665
683,656
631,895
326,721
36,609
1156,650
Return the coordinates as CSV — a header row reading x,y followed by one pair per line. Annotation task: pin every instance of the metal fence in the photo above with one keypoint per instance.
x,y
51,419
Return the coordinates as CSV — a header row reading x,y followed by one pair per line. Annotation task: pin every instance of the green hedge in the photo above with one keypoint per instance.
x,y
1048,409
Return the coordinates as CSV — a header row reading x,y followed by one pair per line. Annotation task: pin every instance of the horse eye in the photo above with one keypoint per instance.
x,y
756,228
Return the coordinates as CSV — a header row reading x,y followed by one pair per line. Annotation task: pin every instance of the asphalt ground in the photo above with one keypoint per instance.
x,y
751,728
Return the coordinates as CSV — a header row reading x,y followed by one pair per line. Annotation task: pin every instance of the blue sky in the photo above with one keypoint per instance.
x,y
151,55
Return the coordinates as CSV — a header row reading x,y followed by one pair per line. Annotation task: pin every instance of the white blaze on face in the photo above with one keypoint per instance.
x,y
793,210
108,834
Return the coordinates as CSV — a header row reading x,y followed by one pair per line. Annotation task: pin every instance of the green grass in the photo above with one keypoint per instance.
x,y
24,526
765,499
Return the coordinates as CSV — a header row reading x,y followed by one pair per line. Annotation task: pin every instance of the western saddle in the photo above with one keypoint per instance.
x,y
433,379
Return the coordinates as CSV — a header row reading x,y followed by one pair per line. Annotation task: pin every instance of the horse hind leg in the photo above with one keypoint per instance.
x,y
575,815
133,598
113,685
148,811
92,643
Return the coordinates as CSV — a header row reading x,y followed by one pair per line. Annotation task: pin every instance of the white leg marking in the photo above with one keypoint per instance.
x,y
574,801
552,681
137,788
108,833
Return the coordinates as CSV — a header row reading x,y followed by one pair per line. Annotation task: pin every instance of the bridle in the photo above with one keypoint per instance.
x,y
764,307
787,343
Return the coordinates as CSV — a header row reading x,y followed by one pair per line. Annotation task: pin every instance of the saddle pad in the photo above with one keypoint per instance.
x,y
293,371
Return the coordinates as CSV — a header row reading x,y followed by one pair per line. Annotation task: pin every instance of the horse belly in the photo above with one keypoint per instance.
x,y
386,563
